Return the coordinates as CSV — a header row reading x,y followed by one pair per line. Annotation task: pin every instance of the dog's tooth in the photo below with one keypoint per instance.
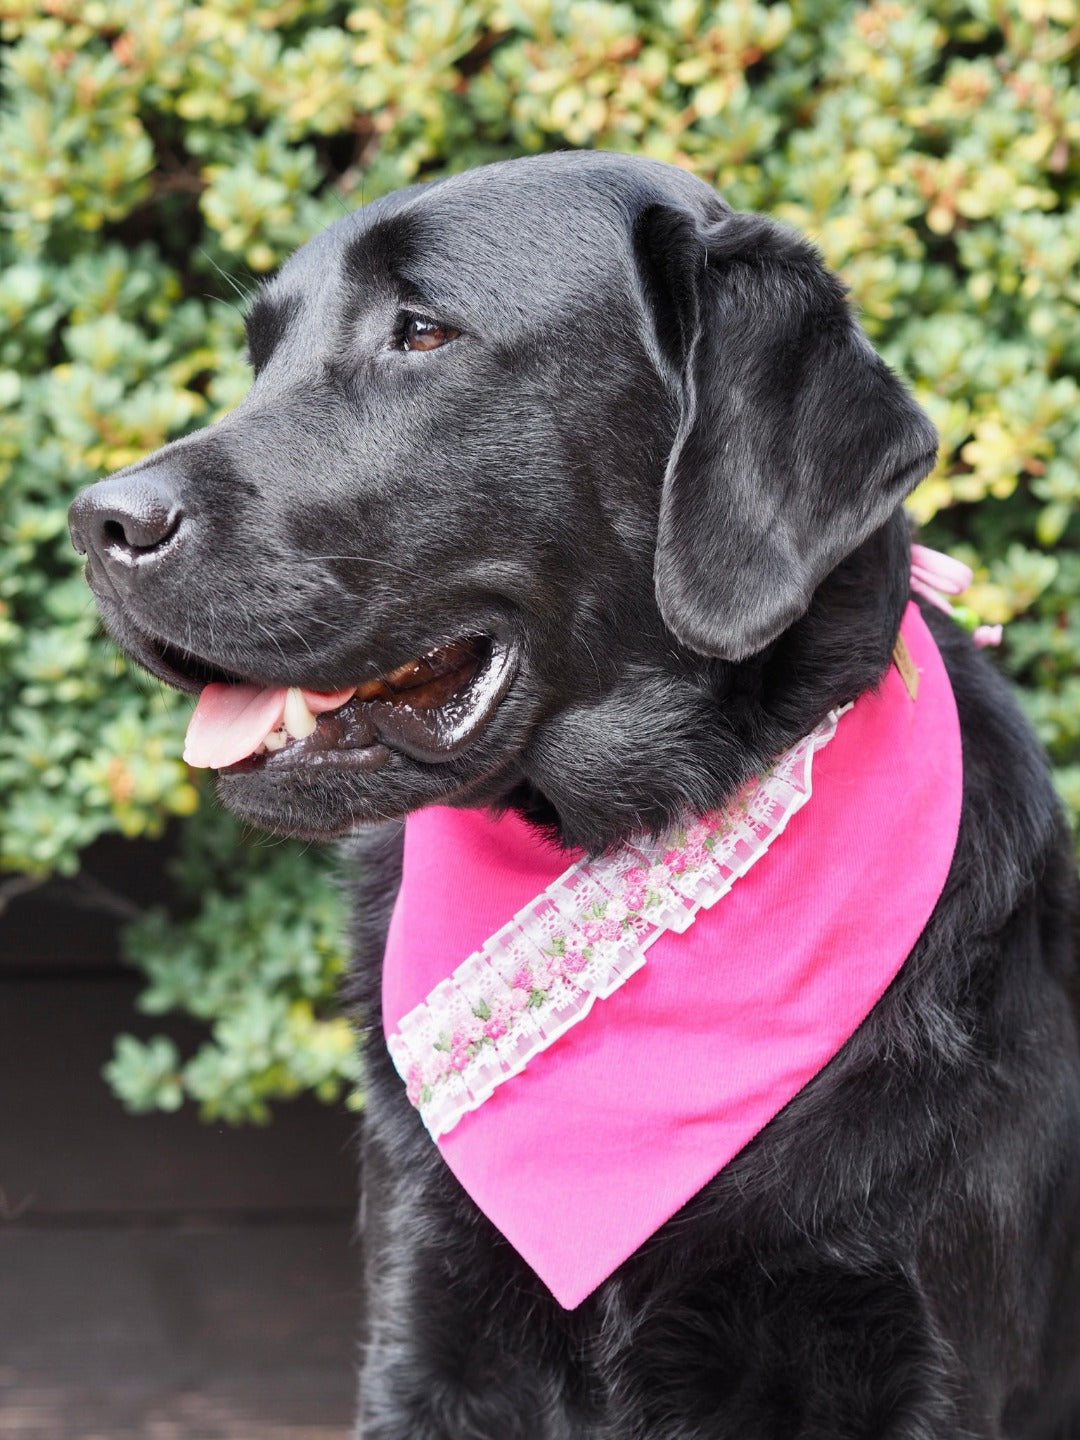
x,y
298,719
372,690
413,672
276,740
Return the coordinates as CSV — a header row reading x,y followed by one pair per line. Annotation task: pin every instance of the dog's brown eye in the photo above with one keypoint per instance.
x,y
421,334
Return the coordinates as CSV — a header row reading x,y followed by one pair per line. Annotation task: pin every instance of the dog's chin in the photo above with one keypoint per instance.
x,y
327,803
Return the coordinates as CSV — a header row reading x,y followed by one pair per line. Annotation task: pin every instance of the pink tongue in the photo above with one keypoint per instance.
x,y
230,721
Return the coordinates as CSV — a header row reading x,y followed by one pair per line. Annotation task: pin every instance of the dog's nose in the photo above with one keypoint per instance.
x,y
127,519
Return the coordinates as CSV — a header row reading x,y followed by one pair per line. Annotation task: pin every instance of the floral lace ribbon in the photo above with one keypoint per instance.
x,y
581,939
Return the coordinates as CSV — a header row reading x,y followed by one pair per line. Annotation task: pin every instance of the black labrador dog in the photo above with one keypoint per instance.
x,y
590,485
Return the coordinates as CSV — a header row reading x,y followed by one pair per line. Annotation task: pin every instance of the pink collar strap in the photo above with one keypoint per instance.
x,y
590,1045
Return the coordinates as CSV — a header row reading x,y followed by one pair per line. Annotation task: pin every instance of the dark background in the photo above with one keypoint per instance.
x,y
159,1278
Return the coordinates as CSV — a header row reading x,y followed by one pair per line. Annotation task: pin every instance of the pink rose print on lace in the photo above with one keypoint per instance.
x,y
605,929
554,971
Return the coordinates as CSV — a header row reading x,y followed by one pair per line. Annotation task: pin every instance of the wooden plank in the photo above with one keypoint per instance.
x,y
68,1148
132,1305
215,1334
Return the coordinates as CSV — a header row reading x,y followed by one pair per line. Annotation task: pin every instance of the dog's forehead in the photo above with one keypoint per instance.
x,y
524,240
473,247
520,224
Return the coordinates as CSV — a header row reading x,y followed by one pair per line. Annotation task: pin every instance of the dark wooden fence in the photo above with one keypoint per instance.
x,y
160,1279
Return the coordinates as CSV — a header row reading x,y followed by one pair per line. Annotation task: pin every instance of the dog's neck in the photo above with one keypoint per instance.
x,y
753,710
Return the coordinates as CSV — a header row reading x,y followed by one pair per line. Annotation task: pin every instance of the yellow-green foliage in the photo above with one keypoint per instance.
x,y
155,158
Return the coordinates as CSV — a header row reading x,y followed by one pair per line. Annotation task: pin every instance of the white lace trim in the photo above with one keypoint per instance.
x,y
581,939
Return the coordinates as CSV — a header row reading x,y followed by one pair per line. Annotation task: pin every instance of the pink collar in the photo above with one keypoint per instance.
x,y
591,1046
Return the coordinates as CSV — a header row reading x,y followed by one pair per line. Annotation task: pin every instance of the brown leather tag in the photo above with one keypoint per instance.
x,y
909,671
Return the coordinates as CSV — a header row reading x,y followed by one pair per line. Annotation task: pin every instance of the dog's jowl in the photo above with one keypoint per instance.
x,y
715,918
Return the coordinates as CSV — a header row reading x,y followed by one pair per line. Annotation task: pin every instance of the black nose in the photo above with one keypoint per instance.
x,y
127,519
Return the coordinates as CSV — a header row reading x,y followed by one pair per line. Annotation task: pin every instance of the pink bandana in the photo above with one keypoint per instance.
x,y
591,1046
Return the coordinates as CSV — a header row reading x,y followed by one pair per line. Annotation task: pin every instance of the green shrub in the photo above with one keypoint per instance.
x,y
155,159
257,959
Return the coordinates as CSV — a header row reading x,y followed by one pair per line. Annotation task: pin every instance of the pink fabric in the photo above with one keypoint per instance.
x,y
604,1136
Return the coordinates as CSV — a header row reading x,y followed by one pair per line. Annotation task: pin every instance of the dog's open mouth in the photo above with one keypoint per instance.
x,y
429,708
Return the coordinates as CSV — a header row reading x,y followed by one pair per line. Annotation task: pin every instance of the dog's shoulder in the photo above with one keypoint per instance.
x,y
1014,844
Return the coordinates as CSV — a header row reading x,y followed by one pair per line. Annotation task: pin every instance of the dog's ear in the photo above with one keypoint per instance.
x,y
795,440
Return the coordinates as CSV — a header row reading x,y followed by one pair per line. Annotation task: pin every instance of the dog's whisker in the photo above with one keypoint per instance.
x,y
229,279
265,629
335,626
220,300
304,641
371,560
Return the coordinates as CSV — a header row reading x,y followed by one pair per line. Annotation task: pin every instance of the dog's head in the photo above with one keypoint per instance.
x,y
554,461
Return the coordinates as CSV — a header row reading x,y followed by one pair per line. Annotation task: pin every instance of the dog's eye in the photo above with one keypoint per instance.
x,y
420,333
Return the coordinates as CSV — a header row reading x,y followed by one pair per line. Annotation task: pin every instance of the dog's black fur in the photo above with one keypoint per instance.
x,y
664,461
